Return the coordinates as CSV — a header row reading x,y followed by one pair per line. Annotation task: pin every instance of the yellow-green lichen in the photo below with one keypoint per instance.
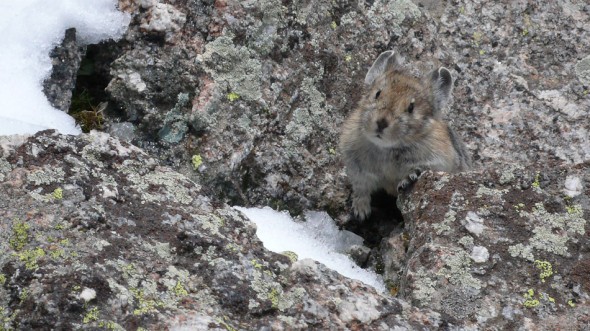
x,y
57,253
536,183
333,25
273,296
59,226
574,210
348,58
179,290
256,265
2,279
530,301
24,294
197,161
144,305
20,235
58,193
91,315
571,303
110,325
291,255
30,257
225,324
546,269
233,96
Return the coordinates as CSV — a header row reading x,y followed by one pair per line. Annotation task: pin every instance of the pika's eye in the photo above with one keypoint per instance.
x,y
377,94
411,107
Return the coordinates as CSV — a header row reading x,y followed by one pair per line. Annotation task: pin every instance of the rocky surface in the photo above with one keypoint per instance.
x,y
66,59
259,89
500,248
242,102
97,235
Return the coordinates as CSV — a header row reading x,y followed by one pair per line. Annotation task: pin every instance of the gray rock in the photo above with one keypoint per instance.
x,y
66,59
97,234
270,83
523,265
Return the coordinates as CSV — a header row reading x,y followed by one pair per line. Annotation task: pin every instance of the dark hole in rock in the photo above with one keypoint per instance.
x,y
385,218
90,104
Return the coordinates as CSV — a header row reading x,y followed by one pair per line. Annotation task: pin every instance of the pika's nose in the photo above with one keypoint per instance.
x,y
381,124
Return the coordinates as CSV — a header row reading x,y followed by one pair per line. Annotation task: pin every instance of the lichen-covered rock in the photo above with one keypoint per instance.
x,y
96,234
499,247
269,83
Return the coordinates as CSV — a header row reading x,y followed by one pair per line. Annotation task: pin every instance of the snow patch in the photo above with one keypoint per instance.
x,y
29,30
317,238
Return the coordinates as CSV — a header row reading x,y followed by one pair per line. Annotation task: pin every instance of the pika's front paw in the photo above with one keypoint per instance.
x,y
361,207
410,179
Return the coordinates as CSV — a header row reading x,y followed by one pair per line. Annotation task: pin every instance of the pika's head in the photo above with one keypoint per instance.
x,y
397,108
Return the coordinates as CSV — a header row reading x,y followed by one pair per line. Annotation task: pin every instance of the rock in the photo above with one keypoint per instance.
x,y
270,82
96,234
242,101
66,59
522,264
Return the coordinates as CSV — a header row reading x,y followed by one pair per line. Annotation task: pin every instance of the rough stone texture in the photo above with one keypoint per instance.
x,y
96,235
66,59
269,83
246,100
499,248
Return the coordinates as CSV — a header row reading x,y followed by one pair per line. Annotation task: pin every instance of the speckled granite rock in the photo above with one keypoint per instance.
x,y
96,235
498,249
259,89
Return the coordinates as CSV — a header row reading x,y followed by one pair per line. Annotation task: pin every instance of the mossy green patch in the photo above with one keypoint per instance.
x,y
58,193
2,279
91,315
20,235
530,301
232,96
30,257
256,265
197,161
546,269
144,305
179,290
273,296
536,183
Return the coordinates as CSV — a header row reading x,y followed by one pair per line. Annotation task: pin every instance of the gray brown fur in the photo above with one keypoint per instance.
x,y
396,132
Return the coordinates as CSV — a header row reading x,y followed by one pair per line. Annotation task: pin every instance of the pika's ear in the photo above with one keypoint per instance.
x,y
385,61
442,87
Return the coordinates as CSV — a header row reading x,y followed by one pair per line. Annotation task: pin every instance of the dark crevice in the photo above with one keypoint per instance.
x,y
91,80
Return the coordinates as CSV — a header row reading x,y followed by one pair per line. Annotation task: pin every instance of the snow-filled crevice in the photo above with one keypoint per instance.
x,y
316,238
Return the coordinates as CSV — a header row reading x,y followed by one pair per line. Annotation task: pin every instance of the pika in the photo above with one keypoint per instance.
x,y
397,132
